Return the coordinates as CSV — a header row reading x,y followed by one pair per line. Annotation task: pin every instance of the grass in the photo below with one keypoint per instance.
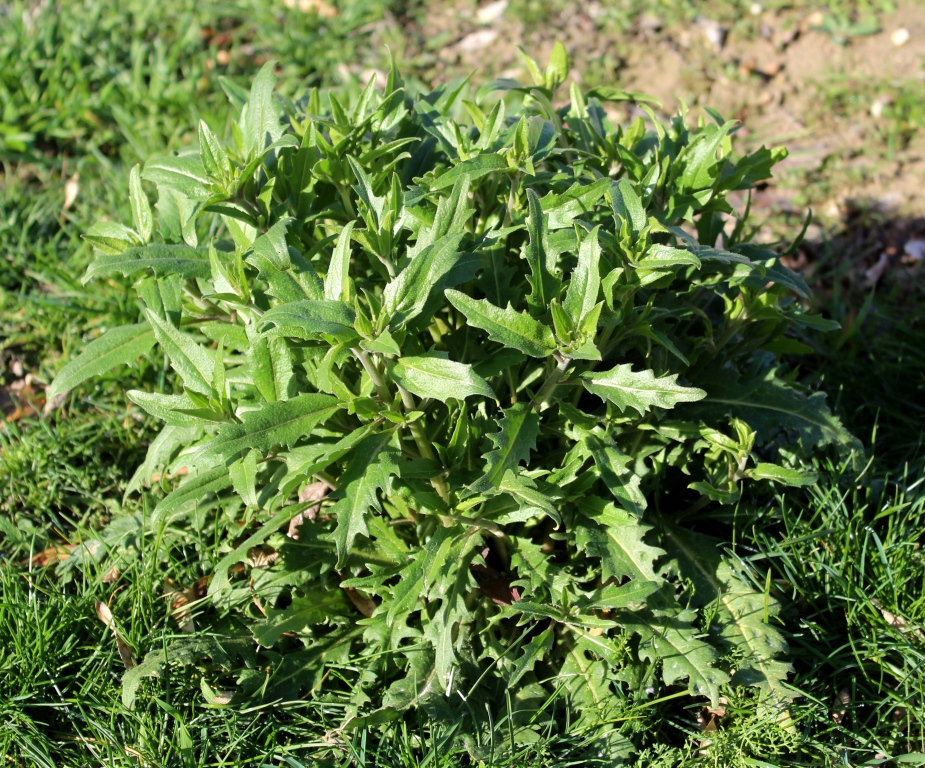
x,y
98,86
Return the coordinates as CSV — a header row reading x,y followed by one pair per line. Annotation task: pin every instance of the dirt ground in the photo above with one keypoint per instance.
x,y
847,102
786,78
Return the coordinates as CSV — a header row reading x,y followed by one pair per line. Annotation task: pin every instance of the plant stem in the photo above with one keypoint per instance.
x,y
378,382
541,401
426,448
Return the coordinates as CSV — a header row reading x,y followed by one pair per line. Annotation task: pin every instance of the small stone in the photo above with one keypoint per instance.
x,y
915,249
872,276
816,19
880,103
476,41
900,37
489,14
714,32
223,58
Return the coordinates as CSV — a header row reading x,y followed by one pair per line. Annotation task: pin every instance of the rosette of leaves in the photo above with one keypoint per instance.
x,y
515,347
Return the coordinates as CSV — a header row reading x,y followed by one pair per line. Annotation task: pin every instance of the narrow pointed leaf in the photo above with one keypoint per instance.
x,y
437,377
517,330
141,207
115,347
186,357
336,282
581,297
426,275
536,650
280,423
310,319
159,258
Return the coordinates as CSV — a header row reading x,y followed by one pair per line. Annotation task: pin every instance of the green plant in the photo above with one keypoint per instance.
x,y
510,358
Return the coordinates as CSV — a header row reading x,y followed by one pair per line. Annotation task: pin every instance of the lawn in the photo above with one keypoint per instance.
x,y
93,582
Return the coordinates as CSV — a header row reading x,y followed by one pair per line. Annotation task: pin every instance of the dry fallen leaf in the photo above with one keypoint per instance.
x,y
262,556
52,555
105,615
71,190
840,707
363,604
319,7
182,603
476,41
872,276
898,622
489,14
312,492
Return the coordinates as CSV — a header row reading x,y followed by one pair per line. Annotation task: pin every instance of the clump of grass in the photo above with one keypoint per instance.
x,y
110,77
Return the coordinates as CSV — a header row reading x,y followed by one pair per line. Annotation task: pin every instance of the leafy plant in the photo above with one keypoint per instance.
x,y
461,386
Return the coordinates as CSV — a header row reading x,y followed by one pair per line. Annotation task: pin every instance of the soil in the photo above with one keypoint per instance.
x,y
776,71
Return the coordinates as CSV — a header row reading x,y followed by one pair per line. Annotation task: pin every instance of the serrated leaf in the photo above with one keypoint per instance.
x,y
185,175
115,347
536,650
516,330
178,410
310,319
404,297
194,490
578,199
317,606
613,467
519,427
742,615
186,357
525,493
639,390
769,406
682,654
159,258
220,579
374,464
475,168
439,378
280,423
616,537
699,159
421,686
587,679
